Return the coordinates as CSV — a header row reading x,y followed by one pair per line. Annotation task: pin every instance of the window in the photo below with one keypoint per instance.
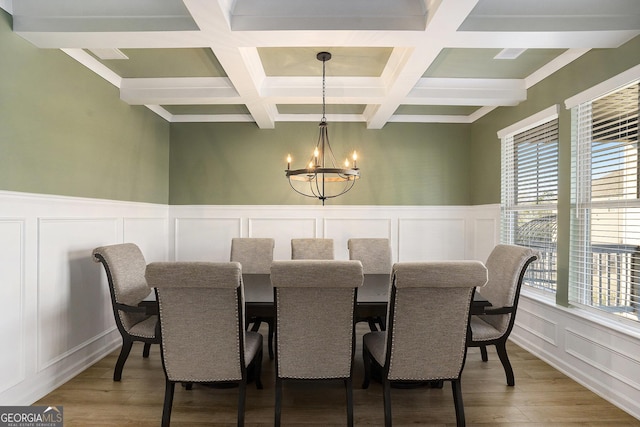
x,y
605,220
530,193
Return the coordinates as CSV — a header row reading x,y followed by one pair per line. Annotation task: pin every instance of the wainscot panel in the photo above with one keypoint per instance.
x,y
56,298
416,233
599,353
12,265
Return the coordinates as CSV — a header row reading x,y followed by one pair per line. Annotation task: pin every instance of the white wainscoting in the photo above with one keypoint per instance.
x,y
600,353
416,233
56,310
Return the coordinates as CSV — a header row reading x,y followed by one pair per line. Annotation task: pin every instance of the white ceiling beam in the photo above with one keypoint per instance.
x,y
331,118
342,90
175,91
94,65
242,65
444,21
474,92
427,118
212,118
554,65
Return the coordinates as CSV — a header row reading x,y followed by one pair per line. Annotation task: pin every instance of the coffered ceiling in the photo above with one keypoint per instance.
x,y
392,60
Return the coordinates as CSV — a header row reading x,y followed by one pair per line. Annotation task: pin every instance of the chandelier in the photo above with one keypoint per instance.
x,y
322,178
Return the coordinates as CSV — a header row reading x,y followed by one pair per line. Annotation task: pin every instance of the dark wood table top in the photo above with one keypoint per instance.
x,y
374,292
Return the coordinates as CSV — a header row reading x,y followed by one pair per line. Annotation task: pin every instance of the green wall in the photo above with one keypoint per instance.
x,y
239,164
590,69
594,67
64,130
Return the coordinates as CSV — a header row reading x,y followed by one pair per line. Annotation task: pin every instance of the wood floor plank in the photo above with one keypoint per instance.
x,y
542,397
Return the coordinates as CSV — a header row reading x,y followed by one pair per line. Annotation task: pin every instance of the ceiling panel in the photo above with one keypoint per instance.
x,y
317,109
345,61
255,61
159,62
481,63
553,15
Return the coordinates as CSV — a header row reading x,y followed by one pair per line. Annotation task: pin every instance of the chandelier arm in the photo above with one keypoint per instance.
x,y
346,188
301,193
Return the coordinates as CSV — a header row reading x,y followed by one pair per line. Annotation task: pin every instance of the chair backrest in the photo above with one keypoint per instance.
x,y
201,319
125,267
428,318
312,249
507,265
375,254
315,303
255,254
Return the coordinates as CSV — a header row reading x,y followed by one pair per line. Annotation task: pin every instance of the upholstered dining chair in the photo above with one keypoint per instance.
x,y
124,265
507,265
427,327
376,257
255,255
201,310
374,253
315,327
312,248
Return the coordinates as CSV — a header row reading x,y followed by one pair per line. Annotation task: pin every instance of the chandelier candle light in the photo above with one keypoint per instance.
x,y
322,178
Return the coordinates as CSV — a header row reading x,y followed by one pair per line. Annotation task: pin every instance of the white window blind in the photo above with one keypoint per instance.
x,y
530,197
605,223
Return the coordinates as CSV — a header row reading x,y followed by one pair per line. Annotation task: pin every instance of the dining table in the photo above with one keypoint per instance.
x,y
372,297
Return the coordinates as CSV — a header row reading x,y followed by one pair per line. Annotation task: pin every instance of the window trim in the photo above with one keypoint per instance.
x,y
549,113
603,88
581,197
507,201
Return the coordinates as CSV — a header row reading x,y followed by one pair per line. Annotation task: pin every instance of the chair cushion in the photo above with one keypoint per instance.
x,y
145,328
376,343
252,345
483,331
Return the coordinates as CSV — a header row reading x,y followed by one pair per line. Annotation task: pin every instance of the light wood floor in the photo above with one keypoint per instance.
x,y
542,397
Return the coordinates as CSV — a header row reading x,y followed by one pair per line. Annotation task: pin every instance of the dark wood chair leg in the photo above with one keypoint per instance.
x,y
348,383
501,347
366,358
381,321
386,393
372,324
145,351
270,343
242,394
483,353
168,403
457,401
256,324
278,408
257,370
124,353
